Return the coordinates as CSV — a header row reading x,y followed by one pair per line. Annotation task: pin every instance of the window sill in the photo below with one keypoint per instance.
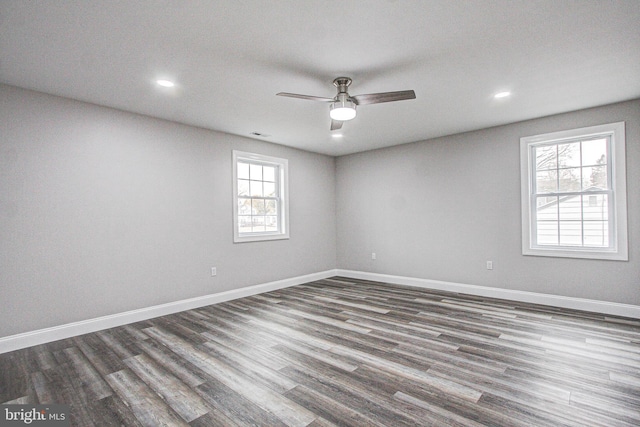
x,y
577,253
260,237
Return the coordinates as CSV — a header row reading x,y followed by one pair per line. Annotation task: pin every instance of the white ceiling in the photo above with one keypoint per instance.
x,y
230,58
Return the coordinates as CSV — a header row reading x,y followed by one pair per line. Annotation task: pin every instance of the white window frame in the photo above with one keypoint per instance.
x,y
618,249
282,198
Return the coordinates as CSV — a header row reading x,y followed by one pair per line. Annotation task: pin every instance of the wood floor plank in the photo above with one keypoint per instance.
x,y
290,413
432,405
183,370
112,411
103,358
252,368
182,399
330,409
343,352
628,379
235,407
452,418
147,406
350,393
87,374
14,377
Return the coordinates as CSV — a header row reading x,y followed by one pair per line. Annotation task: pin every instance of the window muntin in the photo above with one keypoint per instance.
x,y
260,197
574,195
571,192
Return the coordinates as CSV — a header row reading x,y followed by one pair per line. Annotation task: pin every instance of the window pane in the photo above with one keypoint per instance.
x,y
258,223
570,233
256,172
547,181
596,233
595,207
270,207
243,187
257,206
546,157
594,152
256,188
569,154
594,177
547,209
269,189
244,206
269,173
271,223
547,232
244,224
570,208
243,170
569,179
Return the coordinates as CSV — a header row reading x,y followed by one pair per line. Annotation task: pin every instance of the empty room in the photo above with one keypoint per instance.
x,y
306,213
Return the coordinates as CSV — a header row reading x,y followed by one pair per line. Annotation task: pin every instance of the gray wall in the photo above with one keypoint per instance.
x,y
103,211
440,209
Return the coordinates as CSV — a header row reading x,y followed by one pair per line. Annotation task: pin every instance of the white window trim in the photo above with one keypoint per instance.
x,y
283,202
616,131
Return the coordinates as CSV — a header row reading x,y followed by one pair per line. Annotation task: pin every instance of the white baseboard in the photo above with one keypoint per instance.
x,y
604,307
41,336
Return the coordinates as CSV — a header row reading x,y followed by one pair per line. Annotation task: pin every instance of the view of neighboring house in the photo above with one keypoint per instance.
x,y
575,220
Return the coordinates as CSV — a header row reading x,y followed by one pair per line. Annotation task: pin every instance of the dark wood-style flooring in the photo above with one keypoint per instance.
x,y
343,352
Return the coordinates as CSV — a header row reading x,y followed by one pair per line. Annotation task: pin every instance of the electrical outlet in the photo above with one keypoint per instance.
x,y
373,255
214,271
489,265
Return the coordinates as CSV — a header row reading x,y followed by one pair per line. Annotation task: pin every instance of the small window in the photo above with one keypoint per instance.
x,y
260,205
574,193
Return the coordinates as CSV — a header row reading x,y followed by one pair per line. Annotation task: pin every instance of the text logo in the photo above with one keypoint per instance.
x,y
35,415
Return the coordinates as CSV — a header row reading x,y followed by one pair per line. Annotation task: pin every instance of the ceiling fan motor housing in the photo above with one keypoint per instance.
x,y
342,83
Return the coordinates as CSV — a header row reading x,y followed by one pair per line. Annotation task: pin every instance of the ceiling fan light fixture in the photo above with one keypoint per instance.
x,y
342,110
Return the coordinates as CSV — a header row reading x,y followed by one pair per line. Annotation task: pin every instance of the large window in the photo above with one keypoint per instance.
x,y
574,193
260,210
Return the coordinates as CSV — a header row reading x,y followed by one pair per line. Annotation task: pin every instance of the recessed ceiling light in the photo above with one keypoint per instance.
x,y
336,135
165,83
502,95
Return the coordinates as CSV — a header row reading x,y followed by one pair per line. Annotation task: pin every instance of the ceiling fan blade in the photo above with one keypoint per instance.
x,y
309,97
377,98
336,124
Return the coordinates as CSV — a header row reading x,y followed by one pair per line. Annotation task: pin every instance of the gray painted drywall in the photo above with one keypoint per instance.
x,y
440,209
103,211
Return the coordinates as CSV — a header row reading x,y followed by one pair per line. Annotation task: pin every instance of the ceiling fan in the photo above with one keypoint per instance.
x,y
343,105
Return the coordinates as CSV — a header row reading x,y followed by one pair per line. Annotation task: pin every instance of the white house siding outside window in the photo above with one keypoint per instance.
x,y
260,192
574,193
